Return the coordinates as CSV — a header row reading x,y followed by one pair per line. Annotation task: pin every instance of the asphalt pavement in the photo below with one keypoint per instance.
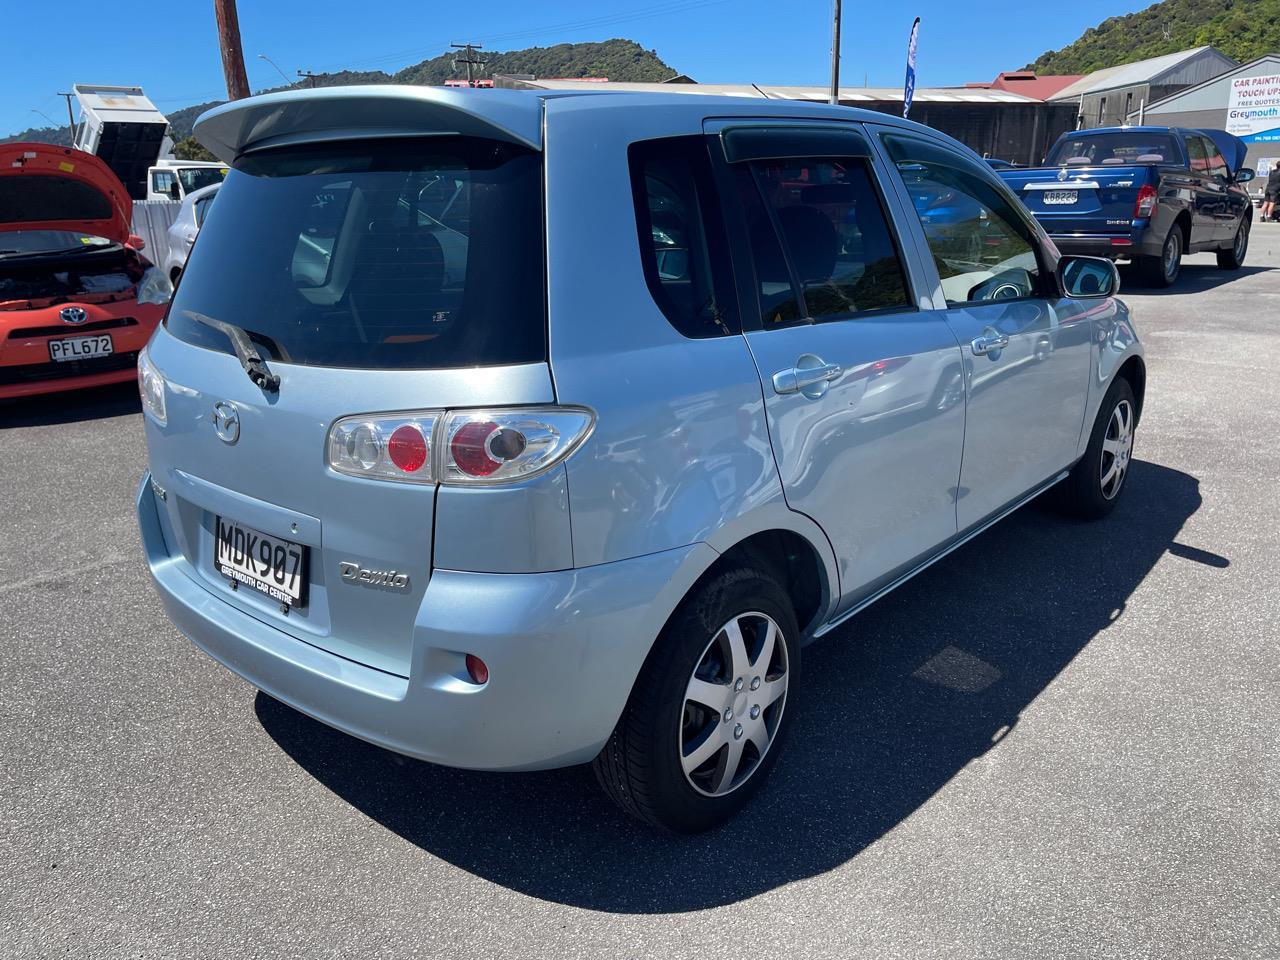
x,y
1061,741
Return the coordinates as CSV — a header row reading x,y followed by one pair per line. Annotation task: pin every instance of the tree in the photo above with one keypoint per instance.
x,y
190,149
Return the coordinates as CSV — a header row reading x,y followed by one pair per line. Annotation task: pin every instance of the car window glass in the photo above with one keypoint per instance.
x,y
681,233
777,298
835,234
202,207
982,248
161,181
1196,156
351,264
1215,163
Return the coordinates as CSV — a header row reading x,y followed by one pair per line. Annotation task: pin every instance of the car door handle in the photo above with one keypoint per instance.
x,y
989,343
795,379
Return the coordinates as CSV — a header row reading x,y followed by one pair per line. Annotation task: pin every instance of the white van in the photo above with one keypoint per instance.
x,y
175,179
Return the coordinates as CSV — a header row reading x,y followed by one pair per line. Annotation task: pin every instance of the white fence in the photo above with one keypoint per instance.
x,y
151,221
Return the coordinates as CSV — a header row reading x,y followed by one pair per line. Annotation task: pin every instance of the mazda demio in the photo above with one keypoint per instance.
x,y
511,430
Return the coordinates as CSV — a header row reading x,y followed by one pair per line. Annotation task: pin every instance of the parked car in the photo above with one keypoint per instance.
x,y
692,403
77,299
185,227
1146,194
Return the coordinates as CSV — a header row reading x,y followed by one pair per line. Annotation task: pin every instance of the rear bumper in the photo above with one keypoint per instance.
x,y
1136,243
563,651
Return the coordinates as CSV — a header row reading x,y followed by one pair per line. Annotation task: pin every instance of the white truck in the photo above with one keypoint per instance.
x,y
124,128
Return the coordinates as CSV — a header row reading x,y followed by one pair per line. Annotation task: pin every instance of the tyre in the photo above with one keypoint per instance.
x,y
1163,270
708,716
1233,257
1095,484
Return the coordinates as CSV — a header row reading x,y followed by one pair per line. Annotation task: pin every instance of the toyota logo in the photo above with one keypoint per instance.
x,y
73,314
226,421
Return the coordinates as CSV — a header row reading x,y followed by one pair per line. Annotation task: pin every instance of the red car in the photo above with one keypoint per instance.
x,y
77,299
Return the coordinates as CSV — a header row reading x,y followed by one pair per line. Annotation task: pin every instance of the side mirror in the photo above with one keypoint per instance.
x,y
1245,175
136,241
1088,278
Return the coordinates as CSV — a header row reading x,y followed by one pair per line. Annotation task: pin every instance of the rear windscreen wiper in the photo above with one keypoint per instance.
x,y
248,354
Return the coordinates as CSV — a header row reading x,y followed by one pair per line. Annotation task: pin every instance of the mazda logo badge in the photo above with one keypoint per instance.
x,y
226,421
73,314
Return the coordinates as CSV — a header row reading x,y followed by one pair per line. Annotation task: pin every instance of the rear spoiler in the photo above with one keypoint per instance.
x,y
343,113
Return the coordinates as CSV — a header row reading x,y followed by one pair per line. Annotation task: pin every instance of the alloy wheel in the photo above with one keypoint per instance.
x,y
1172,254
1117,447
733,704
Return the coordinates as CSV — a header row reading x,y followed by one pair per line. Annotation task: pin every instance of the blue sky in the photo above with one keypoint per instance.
x,y
171,49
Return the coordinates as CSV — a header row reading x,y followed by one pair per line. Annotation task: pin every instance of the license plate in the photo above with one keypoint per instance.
x,y
269,565
81,348
1061,196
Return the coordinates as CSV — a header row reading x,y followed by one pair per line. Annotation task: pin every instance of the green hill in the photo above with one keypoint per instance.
x,y
1243,29
615,59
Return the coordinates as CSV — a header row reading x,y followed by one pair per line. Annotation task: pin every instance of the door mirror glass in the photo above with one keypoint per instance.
x,y
1088,278
1245,175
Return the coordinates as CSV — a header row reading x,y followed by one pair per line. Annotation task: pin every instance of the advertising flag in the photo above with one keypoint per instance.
x,y
909,91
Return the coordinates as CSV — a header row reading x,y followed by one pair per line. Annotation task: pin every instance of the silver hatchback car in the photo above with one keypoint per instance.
x,y
513,430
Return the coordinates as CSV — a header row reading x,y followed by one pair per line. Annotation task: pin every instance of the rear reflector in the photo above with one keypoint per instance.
x,y
1121,242
477,669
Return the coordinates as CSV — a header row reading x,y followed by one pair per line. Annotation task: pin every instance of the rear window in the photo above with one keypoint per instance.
x,y
396,254
1114,149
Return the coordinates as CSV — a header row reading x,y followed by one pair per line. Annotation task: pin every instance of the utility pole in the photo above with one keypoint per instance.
x,y
470,59
309,77
71,117
835,55
229,43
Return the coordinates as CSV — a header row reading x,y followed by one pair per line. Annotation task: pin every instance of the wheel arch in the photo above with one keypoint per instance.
x,y
1134,370
1183,222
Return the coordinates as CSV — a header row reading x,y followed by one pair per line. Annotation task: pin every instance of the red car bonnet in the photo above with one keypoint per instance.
x,y
45,187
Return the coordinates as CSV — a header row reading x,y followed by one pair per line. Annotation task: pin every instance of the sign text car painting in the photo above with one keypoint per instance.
x,y
1253,110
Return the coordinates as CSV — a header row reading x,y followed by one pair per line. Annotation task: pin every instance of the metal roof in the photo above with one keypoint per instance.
x,y
1242,70
1129,74
768,92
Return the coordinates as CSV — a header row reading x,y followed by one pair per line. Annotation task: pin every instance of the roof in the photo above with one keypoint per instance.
x,y
848,95
1030,84
1243,68
1129,74
394,110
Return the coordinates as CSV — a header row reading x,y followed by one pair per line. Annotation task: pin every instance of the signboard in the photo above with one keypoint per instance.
x,y
1253,109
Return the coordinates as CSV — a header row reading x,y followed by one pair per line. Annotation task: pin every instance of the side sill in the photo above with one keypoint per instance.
x,y
952,546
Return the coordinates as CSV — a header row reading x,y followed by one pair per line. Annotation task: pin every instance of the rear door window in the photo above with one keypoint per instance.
x,y
836,236
399,254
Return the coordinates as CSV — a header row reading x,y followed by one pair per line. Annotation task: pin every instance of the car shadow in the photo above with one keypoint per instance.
x,y
1193,278
92,403
894,705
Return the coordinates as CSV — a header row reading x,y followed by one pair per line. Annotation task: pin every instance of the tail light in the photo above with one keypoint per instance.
x,y
151,387
495,446
1146,202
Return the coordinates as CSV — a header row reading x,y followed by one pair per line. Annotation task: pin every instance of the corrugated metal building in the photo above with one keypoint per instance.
x,y
1209,105
1105,98
994,123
